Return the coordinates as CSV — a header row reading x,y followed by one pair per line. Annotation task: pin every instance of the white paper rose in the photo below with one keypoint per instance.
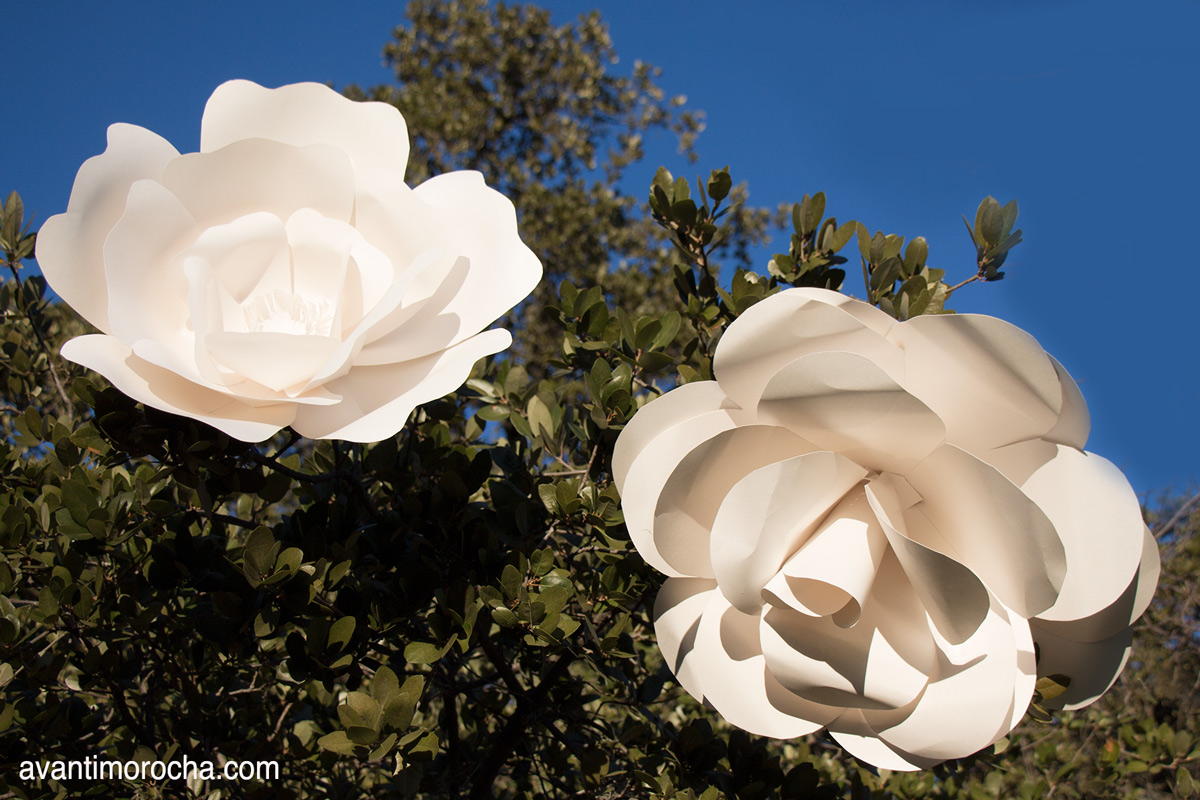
x,y
285,274
869,526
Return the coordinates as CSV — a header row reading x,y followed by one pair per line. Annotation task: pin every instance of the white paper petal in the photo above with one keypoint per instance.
x,y
276,360
883,661
846,403
70,246
147,301
768,514
168,391
677,611
860,740
688,502
970,700
1074,421
652,445
674,408
988,525
990,382
392,339
832,573
1092,667
256,175
378,400
955,600
786,326
503,269
373,134
727,662
1093,508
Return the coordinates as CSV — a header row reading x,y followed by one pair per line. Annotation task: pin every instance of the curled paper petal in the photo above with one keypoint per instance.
x,y
870,523
285,274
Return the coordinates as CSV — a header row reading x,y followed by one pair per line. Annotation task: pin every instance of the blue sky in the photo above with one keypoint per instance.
x,y
904,114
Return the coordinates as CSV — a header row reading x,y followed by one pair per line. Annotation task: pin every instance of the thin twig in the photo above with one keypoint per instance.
x,y
953,288
1183,509
37,332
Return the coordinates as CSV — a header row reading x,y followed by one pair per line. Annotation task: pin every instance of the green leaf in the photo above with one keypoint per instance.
x,y
663,179
398,711
916,255
385,686
864,241
680,191
719,184
1009,215
1051,686
511,581
492,413
340,633
421,653
540,421
546,491
505,618
337,742
384,748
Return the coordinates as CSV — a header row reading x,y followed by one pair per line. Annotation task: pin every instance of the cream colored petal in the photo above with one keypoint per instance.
x,y
677,611
797,322
332,261
320,249
482,224
276,360
975,515
378,400
1121,612
248,256
178,356
860,740
373,134
168,391
768,514
412,330
989,381
846,403
976,694
349,352
1074,421
953,596
70,246
396,220
674,408
689,500
1093,667
256,175
1099,520
833,571
147,289
883,661
727,661
660,435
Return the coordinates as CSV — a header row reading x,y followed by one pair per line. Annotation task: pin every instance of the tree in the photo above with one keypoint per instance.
x,y
536,108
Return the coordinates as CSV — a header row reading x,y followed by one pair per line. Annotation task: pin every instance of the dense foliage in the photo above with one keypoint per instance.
x,y
458,612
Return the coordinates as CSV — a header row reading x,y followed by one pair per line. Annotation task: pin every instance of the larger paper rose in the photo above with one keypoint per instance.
x,y
873,526
285,274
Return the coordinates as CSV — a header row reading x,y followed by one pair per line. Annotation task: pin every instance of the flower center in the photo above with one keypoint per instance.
x,y
279,311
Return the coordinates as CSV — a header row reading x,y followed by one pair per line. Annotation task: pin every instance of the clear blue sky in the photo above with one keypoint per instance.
x,y
904,114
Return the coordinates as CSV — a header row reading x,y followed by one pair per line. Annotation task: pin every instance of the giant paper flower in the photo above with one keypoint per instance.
x,y
886,529
285,274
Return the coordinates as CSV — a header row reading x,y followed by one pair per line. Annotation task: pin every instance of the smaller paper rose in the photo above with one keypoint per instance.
x,y
285,274
886,529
